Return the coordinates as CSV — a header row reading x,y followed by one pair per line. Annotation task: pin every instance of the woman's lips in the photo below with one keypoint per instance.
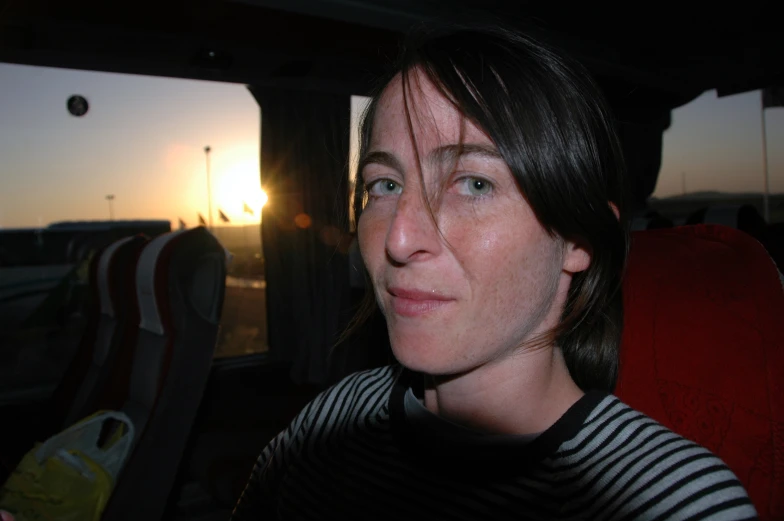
x,y
414,303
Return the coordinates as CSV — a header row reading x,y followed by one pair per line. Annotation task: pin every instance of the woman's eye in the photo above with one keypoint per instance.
x,y
384,187
475,186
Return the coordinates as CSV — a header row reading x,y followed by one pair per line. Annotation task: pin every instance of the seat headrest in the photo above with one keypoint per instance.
x,y
723,214
701,350
105,275
183,252
650,220
148,270
700,284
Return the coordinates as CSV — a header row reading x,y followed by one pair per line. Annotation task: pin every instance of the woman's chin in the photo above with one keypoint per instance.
x,y
424,359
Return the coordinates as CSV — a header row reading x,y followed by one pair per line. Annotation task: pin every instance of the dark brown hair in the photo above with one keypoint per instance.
x,y
551,125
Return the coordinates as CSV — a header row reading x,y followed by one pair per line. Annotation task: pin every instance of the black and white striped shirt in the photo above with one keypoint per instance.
x,y
358,452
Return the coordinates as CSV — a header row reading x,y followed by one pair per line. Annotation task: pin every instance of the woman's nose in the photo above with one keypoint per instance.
x,y
413,232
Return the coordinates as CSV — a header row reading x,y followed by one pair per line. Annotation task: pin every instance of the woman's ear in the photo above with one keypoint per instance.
x,y
577,258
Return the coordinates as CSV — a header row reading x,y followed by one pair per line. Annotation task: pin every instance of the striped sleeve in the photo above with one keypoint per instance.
x,y
258,499
330,408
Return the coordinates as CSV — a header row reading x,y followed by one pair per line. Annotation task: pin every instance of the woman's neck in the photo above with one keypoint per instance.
x,y
525,393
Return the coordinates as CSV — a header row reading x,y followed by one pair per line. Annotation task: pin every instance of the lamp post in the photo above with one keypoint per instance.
x,y
110,198
207,151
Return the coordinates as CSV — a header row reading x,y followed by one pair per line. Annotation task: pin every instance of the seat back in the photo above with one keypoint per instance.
x,y
650,220
703,348
180,287
79,364
83,249
743,217
104,385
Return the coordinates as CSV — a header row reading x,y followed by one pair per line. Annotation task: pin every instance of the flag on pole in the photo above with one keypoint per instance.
x,y
222,216
246,208
182,225
773,97
202,222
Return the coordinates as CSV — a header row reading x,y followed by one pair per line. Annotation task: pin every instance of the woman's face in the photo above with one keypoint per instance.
x,y
471,290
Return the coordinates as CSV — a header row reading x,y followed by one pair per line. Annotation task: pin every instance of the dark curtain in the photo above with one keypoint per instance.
x,y
642,153
304,170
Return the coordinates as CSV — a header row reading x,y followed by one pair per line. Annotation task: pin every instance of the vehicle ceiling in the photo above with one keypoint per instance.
x,y
650,57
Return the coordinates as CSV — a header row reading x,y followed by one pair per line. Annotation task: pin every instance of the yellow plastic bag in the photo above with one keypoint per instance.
x,y
70,477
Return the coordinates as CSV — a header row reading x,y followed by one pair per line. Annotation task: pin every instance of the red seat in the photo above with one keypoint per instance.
x,y
703,348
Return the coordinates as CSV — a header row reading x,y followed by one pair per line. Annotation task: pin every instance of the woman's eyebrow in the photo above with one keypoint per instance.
x,y
381,158
450,153
440,155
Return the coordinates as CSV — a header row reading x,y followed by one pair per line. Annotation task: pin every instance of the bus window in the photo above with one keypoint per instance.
x,y
713,155
94,150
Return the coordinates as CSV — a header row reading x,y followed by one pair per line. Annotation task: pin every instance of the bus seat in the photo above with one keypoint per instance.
x,y
82,250
650,220
180,283
72,352
103,386
721,214
744,217
79,364
703,348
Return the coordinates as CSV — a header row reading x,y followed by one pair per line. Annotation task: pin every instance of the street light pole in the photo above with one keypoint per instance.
x,y
110,198
207,150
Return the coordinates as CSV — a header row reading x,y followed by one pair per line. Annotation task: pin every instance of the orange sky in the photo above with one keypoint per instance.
x,y
143,141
